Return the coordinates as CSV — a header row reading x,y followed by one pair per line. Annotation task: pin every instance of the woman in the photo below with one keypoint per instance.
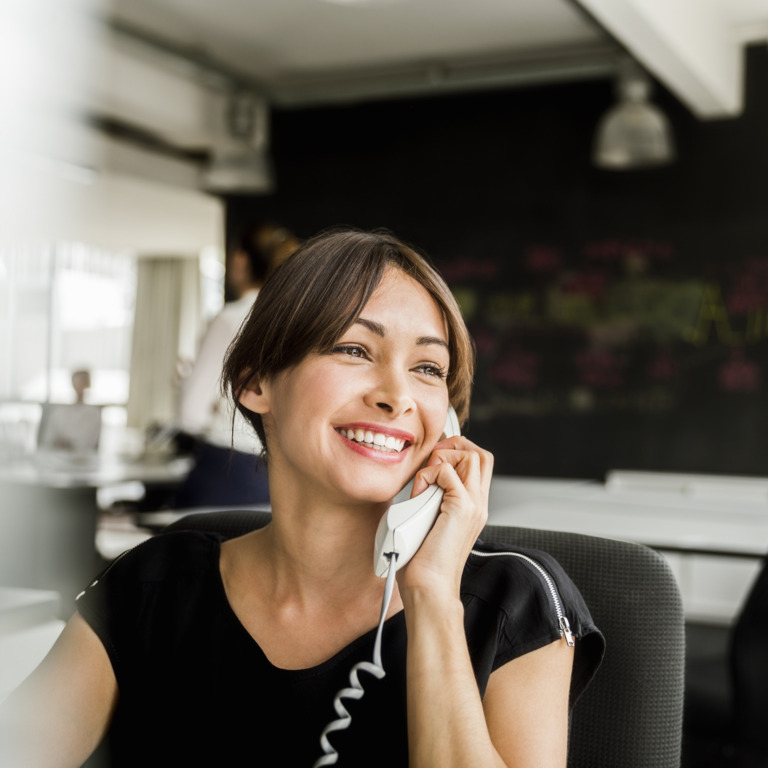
x,y
200,651
224,452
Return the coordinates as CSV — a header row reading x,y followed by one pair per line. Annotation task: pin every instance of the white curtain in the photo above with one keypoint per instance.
x,y
165,329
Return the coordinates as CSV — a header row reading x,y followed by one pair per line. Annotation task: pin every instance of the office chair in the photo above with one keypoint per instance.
x,y
631,714
726,696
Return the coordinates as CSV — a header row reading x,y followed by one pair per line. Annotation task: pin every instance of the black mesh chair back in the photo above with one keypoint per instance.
x,y
631,714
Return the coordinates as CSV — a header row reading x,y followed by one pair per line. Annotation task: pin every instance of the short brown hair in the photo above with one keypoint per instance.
x,y
308,303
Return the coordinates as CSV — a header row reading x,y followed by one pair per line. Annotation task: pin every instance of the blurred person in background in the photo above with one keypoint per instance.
x,y
226,471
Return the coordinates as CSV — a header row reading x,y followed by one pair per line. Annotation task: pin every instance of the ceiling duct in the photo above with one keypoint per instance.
x,y
240,161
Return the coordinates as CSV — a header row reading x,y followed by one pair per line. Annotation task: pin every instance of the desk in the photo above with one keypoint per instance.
x,y
714,545
693,532
48,515
63,470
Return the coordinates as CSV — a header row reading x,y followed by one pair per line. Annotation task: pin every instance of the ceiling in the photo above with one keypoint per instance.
x,y
155,87
312,51
151,76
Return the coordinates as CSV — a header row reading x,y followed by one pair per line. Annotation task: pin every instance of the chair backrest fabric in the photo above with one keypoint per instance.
x,y
631,714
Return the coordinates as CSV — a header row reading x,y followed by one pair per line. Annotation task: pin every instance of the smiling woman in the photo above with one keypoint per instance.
x,y
224,649
308,304
384,381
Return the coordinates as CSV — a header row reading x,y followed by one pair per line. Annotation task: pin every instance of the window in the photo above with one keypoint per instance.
x,y
63,308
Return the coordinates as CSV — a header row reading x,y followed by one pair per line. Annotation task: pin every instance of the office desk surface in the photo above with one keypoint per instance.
x,y
67,470
713,525
730,534
49,512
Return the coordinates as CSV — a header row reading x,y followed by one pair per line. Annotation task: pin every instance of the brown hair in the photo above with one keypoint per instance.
x,y
308,303
266,245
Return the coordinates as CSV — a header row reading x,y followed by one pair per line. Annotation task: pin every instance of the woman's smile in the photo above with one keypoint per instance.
x,y
383,444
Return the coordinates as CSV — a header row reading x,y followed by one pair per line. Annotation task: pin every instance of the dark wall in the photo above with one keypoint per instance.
x,y
621,318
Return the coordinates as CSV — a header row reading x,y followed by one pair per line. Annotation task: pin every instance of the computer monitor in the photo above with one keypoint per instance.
x,y
74,427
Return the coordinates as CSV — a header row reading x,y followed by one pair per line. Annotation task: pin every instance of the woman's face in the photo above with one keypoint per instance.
x,y
357,423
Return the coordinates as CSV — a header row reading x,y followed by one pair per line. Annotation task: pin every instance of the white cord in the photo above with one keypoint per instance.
x,y
355,691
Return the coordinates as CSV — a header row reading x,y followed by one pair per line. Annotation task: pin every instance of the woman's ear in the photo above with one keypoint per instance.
x,y
253,397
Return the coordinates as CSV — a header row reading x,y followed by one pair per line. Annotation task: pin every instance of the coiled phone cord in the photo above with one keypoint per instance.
x,y
355,689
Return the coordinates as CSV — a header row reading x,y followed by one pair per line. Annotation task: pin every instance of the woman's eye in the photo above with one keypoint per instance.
x,y
353,350
432,369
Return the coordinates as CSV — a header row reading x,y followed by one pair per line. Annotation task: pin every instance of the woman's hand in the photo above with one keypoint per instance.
x,y
463,470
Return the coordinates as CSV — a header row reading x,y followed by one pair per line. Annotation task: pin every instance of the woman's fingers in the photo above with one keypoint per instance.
x,y
473,465
464,473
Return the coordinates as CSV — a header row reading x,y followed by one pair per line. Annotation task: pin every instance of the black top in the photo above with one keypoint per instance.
x,y
196,690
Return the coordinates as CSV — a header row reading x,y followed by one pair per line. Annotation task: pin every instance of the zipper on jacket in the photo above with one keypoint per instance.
x,y
562,619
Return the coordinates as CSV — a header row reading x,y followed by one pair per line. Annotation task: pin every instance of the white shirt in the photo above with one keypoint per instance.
x,y
202,411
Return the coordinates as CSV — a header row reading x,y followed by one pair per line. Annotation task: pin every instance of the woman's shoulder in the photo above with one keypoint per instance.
x,y
501,573
534,602
142,604
522,582
172,554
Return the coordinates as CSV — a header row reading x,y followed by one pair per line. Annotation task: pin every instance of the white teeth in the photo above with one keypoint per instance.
x,y
378,439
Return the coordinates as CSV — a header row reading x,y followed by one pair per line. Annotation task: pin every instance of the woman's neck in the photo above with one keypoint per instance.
x,y
304,596
321,546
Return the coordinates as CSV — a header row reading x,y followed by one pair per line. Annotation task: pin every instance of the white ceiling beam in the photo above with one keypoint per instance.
x,y
149,92
688,45
49,201
87,148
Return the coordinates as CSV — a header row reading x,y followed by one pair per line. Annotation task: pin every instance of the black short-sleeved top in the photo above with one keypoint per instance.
x,y
196,690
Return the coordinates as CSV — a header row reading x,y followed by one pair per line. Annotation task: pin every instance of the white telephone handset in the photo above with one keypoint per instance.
x,y
405,525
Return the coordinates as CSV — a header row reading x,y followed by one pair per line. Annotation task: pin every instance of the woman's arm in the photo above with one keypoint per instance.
x,y
523,719
526,707
60,713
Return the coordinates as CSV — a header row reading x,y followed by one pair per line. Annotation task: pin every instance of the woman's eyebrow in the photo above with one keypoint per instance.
x,y
426,340
380,330
372,326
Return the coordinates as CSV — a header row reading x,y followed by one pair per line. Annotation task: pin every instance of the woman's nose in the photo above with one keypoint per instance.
x,y
391,393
